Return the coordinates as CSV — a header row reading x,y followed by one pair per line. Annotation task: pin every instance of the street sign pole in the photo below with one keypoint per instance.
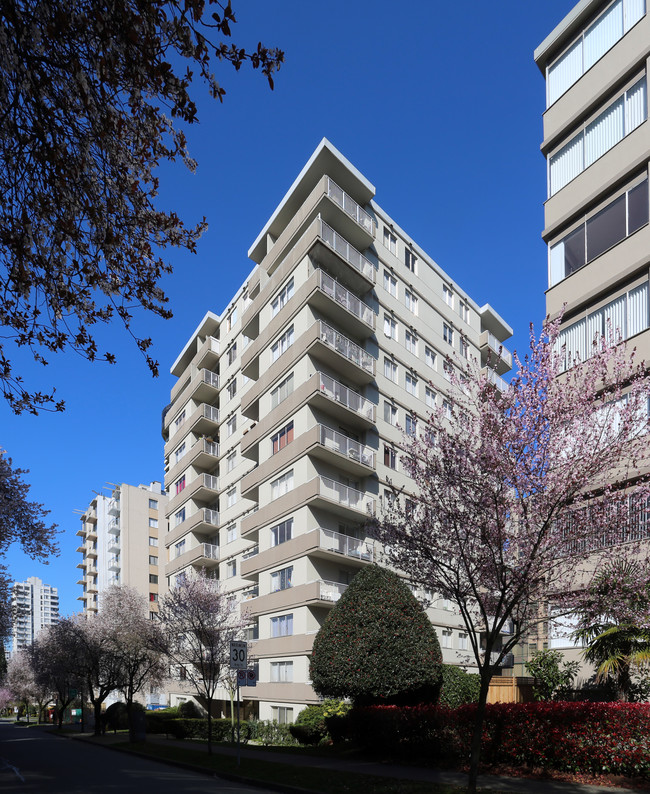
x,y
238,737
238,661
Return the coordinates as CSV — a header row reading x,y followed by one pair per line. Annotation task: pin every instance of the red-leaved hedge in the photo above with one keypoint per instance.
x,y
577,737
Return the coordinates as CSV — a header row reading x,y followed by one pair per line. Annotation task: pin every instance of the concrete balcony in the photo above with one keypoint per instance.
x,y
204,488
114,564
114,526
203,521
208,354
499,357
331,442
494,379
319,593
113,547
205,555
204,420
203,454
351,352
293,645
114,506
281,693
337,393
347,252
203,387
350,206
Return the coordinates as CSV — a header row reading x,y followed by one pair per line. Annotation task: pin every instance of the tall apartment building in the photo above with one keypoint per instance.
x,y
34,605
283,429
120,543
596,141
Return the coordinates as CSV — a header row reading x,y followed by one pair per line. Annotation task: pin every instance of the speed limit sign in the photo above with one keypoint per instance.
x,y
238,655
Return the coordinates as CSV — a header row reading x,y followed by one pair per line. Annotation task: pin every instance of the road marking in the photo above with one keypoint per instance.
x,y
14,769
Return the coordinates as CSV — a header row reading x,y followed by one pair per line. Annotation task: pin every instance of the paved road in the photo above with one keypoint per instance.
x,y
34,762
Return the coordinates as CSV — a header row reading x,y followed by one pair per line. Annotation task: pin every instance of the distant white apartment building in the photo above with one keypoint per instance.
x,y
283,429
34,605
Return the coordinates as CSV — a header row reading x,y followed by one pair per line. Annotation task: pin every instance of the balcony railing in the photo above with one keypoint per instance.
x,y
252,592
350,399
114,563
499,349
211,482
346,347
251,553
331,591
496,380
210,412
114,506
210,551
345,495
114,525
347,299
211,378
349,205
113,547
211,516
346,251
344,544
344,445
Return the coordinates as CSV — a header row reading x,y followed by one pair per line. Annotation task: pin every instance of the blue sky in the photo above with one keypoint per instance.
x,y
438,104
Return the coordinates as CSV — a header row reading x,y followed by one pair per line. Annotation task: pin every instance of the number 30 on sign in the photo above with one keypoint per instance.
x,y
238,655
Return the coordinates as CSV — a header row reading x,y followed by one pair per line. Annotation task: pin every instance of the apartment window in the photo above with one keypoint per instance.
x,y
282,391
179,517
231,461
153,503
390,414
463,347
283,344
430,357
463,310
390,327
231,426
281,580
282,672
177,456
616,121
448,295
390,457
231,388
411,384
282,437
411,301
448,333
231,569
410,260
592,43
179,419
180,485
153,522
282,532
447,370
153,597
282,485
390,283
231,533
283,715
447,409
179,548
153,541
231,319
462,641
153,578
153,560
446,638
282,626
231,497
411,425
411,342
284,295
390,370
620,218
232,353
429,397
390,241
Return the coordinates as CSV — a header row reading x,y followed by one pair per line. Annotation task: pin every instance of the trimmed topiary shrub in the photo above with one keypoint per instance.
x,y
270,732
116,717
377,645
458,686
190,711
310,726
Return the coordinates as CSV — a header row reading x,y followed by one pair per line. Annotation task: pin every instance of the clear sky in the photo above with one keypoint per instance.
x,y
438,104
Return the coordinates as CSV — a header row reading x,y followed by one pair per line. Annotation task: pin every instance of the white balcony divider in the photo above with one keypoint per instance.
x,y
344,544
350,399
345,495
346,347
348,252
349,205
331,591
344,445
347,299
211,516
211,378
497,346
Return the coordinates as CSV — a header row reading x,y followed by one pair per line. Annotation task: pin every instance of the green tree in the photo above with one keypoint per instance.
x,y
617,652
553,677
377,645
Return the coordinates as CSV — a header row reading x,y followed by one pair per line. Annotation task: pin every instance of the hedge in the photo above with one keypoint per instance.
x,y
590,738
458,687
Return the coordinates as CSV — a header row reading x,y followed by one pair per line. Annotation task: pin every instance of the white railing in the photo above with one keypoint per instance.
x,y
114,563
349,205
344,445
496,380
210,481
113,547
211,378
211,516
344,544
499,349
331,591
210,551
113,579
346,347
211,447
350,399
345,495
252,553
347,299
114,525
346,251
252,592
210,412
114,506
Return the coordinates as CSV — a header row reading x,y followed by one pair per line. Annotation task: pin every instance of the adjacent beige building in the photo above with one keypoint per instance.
x,y
283,428
35,606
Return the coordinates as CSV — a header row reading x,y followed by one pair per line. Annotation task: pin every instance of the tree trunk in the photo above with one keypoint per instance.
x,y
97,710
209,727
475,758
129,719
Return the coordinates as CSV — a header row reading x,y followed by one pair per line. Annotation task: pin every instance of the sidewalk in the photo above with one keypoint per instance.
x,y
389,770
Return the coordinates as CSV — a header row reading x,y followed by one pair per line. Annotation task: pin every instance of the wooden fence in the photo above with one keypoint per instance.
x,y
506,689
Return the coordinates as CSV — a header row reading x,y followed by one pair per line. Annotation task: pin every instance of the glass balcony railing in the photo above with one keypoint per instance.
x,y
114,526
345,495
211,516
347,252
347,299
346,347
349,205
211,482
338,442
210,551
499,349
251,553
211,413
331,591
350,399
495,379
211,378
344,544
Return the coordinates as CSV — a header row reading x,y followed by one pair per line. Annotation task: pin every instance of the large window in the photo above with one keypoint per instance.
x,y
282,532
390,370
623,216
282,485
282,437
390,327
616,121
411,383
390,283
282,391
281,580
390,241
282,626
608,28
283,344
282,672
283,296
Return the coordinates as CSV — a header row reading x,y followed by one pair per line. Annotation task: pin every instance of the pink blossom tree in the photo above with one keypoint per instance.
x,y
519,497
20,680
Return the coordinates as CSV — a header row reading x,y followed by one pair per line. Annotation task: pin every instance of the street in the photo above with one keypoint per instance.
x,y
32,760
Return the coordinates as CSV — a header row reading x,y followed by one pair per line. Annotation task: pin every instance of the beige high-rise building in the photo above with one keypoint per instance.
x,y
283,429
35,606
120,543
596,141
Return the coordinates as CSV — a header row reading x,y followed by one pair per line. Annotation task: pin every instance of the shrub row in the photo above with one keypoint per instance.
x,y
576,737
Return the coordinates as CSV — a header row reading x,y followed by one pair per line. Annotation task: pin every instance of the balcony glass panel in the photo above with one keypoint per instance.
x,y
350,399
344,445
346,347
343,248
344,544
331,591
345,495
346,298
349,205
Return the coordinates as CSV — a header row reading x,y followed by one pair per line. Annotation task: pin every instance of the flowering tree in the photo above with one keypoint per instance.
x,y
20,679
92,93
6,698
198,622
55,665
518,497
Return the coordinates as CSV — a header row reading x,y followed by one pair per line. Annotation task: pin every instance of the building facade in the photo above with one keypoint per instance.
x,y
34,606
283,429
596,141
119,543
